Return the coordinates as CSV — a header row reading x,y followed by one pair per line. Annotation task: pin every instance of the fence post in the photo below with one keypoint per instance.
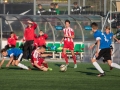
x,y
0,33
34,7
69,7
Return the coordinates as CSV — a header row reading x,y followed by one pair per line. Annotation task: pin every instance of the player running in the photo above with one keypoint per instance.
x,y
15,55
109,36
102,50
37,59
68,43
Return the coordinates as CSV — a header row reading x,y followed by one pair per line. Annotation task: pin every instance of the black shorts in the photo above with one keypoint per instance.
x,y
105,53
19,57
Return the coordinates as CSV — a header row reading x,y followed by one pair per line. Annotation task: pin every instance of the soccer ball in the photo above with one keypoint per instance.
x,y
63,68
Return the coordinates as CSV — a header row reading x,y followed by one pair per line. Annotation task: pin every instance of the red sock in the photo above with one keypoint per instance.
x,y
66,58
46,65
74,59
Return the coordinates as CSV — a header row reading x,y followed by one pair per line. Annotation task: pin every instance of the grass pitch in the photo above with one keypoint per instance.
x,y
82,78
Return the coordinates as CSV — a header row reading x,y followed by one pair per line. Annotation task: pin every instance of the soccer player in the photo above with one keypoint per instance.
x,y
15,55
29,38
11,41
41,39
37,59
102,50
68,43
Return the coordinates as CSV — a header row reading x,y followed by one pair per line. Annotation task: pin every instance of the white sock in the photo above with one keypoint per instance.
x,y
97,66
115,65
23,66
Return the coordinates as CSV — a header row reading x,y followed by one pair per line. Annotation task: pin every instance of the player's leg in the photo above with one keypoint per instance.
x,y
41,67
30,48
96,65
13,63
46,65
74,58
111,64
25,50
17,63
64,55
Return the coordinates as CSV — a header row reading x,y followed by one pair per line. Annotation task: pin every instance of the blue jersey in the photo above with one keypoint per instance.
x,y
14,52
109,37
104,42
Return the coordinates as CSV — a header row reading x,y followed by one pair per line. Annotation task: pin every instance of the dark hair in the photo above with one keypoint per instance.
x,y
107,27
43,46
11,32
39,5
52,4
67,21
56,4
3,50
94,24
75,3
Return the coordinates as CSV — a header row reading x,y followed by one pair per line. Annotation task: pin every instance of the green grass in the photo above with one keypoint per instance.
x,y
82,78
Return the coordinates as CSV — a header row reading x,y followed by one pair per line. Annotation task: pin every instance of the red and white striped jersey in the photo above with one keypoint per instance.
x,y
69,32
35,56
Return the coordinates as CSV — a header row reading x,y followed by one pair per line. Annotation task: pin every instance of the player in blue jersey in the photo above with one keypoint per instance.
x,y
15,55
102,50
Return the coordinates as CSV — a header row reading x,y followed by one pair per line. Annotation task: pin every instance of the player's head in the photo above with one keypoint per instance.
x,y
4,52
42,49
11,34
56,5
67,23
94,26
39,6
40,32
107,29
52,5
29,24
75,4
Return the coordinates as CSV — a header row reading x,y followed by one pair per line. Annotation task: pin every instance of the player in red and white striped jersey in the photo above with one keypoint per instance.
x,y
68,42
37,59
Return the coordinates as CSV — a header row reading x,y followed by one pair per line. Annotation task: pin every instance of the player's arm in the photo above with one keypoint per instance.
x,y
61,40
34,24
1,63
97,49
91,46
10,61
72,35
69,36
46,55
116,39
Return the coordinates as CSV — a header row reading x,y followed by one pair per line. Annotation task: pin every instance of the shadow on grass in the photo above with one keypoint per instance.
x,y
87,73
56,64
92,68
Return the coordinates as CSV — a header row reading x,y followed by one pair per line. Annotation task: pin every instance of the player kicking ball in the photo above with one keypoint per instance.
x,y
68,43
109,36
102,50
15,55
37,59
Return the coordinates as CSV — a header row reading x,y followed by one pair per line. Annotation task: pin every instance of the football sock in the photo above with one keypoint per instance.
x,y
46,65
97,66
115,65
74,59
22,66
66,58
